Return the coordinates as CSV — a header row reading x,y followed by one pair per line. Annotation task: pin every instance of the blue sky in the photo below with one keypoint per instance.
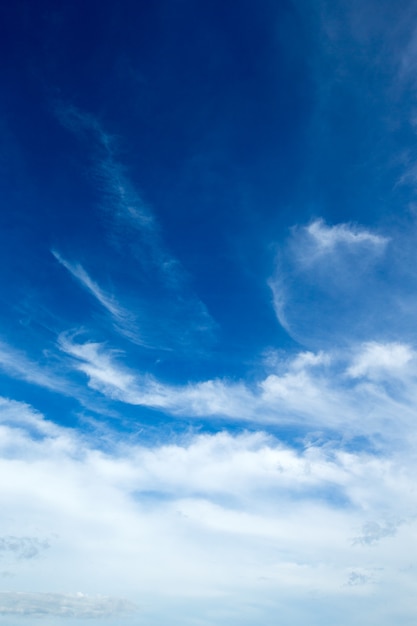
x,y
208,340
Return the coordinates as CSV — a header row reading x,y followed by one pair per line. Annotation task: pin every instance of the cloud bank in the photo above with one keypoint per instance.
x,y
207,518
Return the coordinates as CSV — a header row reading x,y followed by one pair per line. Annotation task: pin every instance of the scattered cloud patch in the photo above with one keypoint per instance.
x,y
22,547
327,238
357,579
377,361
373,532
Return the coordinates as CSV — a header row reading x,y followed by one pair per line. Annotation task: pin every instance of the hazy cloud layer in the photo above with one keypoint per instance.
x,y
62,605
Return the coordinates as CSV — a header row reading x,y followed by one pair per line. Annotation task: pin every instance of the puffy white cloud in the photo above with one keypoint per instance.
x,y
376,361
204,522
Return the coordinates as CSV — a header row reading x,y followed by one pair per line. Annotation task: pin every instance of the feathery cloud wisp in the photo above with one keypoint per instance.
x,y
125,321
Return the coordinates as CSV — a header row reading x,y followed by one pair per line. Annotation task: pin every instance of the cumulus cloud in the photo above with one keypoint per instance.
x,y
202,521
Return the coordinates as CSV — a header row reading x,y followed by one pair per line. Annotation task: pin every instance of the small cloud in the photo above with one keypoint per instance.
x,y
373,532
377,360
327,238
305,360
22,547
358,579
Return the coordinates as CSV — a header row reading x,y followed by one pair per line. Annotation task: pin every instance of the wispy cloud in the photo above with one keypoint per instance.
x,y
16,364
326,238
51,372
136,234
344,283
125,321
120,198
81,275
311,390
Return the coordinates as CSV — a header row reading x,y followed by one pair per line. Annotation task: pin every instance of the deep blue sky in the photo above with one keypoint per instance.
x,y
207,311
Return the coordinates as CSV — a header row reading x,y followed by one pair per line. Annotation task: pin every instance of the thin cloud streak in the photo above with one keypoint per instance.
x,y
16,364
120,197
125,321
136,235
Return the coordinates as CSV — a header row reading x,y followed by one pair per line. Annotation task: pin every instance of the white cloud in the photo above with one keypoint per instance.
x,y
326,238
205,523
125,321
310,390
16,364
334,247
117,382
377,361
108,302
328,284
